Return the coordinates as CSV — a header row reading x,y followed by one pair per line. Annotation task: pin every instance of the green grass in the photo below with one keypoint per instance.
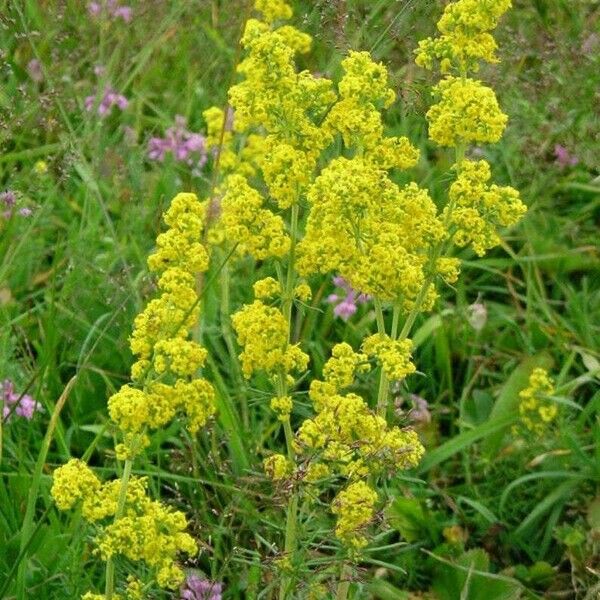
x,y
73,276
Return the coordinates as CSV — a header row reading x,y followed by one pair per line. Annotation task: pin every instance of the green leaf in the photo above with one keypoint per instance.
x,y
408,517
462,441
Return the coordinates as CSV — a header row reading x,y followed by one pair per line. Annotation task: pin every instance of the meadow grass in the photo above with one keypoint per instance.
x,y
484,515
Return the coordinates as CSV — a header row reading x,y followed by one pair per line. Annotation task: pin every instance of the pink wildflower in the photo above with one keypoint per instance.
x,y
109,99
21,405
184,145
346,304
198,588
563,157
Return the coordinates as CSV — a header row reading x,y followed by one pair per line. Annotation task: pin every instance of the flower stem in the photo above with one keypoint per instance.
x,y
344,583
110,565
384,384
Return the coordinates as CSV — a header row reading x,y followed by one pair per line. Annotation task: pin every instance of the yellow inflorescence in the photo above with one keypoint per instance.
x,y
262,331
282,405
467,112
278,467
165,384
357,214
266,288
273,9
477,209
345,433
394,355
465,37
147,530
355,509
536,408
248,224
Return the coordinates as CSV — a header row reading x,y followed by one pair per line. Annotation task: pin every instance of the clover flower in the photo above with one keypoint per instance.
x,y
109,99
13,403
184,145
199,588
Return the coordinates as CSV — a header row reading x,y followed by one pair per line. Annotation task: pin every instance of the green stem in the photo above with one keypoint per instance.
x,y
344,584
291,520
110,565
382,393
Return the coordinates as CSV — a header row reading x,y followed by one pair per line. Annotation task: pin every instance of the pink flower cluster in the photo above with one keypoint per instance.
x,y
184,145
8,200
21,405
346,303
109,99
112,9
197,588
563,157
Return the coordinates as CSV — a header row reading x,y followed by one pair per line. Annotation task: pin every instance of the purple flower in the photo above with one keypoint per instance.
x,y
108,100
112,9
197,588
563,157
34,68
184,145
345,305
8,198
21,405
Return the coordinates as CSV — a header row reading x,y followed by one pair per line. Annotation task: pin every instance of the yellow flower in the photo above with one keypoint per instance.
x,y
262,331
72,482
273,10
536,407
266,288
465,37
476,209
282,405
355,509
255,229
394,355
356,215
303,292
278,467
467,111
40,167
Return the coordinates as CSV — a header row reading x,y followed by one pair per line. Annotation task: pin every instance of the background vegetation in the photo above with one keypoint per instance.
x,y
485,516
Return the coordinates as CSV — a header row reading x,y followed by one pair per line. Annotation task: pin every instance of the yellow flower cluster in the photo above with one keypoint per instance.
x,y
266,288
357,214
477,209
355,509
536,407
165,383
346,437
247,223
394,355
282,405
273,9
161,331
263,333
146,531
467,111
465,37
278,467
